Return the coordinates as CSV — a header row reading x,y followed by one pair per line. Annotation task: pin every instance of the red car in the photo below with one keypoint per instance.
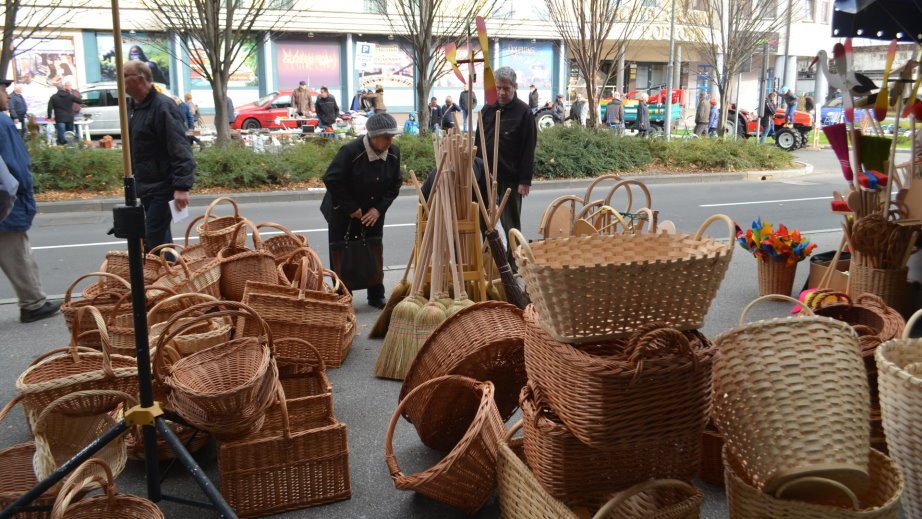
x,y
269,111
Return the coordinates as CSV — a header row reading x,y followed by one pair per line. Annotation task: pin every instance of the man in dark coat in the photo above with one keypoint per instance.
x,y
327,109
16,258
643,116
19,109
467,107
448,120
161,156
362,182
533,101
614,114
435,116
518,136
702,115
768,116
61,108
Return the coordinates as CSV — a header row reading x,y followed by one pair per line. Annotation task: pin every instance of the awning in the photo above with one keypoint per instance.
x,y
878,19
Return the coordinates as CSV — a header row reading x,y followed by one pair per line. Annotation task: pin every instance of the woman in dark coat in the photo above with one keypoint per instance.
x,y
362,182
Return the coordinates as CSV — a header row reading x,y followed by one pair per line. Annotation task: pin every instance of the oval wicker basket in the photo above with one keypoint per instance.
x,y
109,506
117,263
792,400
164,310
283,244
103,298
302,269
240,264
216,233
484,341
466,476
621,392
204,278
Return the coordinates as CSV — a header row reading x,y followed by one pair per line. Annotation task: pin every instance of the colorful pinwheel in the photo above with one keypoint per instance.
x,y
765,243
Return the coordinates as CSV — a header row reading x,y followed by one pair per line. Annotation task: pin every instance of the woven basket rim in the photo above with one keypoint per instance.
x,y
884,363
775,321
27,388
223,351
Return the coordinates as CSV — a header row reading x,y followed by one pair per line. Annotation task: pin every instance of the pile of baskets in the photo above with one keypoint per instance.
x,y
792,402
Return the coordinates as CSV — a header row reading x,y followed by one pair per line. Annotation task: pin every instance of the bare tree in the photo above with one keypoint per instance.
x,y
594,32
24,20
425,27
217,36
727,33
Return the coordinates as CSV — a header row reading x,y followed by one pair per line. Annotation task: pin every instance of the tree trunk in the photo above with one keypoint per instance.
x,y
591,102
9,25
219,93
422,103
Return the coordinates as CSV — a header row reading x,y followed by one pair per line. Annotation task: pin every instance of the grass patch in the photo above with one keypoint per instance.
x,y
718,155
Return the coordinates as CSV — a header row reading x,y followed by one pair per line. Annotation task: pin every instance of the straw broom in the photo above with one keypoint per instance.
x,y
433,314
461,300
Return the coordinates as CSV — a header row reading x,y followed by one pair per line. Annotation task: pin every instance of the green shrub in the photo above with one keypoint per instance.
x,y
718,155
578,152
309,160
75,169
416,154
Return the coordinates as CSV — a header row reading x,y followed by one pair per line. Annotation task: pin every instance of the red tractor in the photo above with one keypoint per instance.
x,y
788,138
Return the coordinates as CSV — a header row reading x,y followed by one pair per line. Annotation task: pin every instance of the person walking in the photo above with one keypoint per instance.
x,y
768,117
518,136
164,168
435,116
643,115
19,110
301,100
376,99
702,115
16,258
579,111
61,108
327,109
448,120
188,120
362,182
193,111
77,106
231,116
467,106
533,101
614,114
713,118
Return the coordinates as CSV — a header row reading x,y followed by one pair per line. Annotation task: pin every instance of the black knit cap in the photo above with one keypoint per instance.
x,y
381,124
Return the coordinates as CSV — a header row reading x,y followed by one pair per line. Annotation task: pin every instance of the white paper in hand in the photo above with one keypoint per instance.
x,y
178,215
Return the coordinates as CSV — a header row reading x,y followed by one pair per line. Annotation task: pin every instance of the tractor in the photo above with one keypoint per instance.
x,y
788,138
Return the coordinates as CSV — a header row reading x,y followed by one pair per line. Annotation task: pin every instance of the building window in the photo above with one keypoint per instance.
x,y
649,3
810,10
824,11
282,4
375,7
768,10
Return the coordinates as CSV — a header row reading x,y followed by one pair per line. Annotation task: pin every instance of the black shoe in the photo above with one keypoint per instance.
x,y
46,310
378,302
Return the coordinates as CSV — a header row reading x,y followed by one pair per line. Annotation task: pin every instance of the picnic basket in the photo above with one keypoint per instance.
x,y
110,505
900,378
283,244
164,309
880,501
792,400
182,279
657,382
120,323
302,269
484,342
240,264
116,262
600,287
215,232
102,297
298,458
302,376
466,476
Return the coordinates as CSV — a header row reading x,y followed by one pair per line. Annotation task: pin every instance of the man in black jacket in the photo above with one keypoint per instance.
x,y
517,139
61,107
533,99
326,107
19,109
161,155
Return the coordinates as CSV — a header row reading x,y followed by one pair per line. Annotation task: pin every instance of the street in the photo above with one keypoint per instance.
x,y
69,244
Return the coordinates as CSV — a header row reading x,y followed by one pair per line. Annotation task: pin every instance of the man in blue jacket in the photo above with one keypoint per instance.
x,y
16,259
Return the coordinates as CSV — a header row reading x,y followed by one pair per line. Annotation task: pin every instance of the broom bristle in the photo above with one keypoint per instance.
x,y
399,291
400,340
457,305
427,320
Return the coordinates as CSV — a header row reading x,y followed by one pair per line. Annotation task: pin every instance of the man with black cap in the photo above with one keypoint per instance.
x,y
362,182
16,258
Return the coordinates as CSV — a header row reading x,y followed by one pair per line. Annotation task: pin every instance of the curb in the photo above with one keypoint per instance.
x,y
106,204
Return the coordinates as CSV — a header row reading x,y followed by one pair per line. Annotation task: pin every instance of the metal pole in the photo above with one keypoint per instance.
x,y
667,103
787,42
762,95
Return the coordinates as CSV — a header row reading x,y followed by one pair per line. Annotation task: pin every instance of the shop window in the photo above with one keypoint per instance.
x,y
375,7
810,10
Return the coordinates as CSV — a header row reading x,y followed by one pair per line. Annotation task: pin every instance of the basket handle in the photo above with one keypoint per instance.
x,y
512,430
651,220
106,345
630,193
117,396
517,235
9,406
310,263
70,289
300,238
612,212
389,457
624,495
212,205
175,298
77,481
179,259
788,299
257,239
337,283
190,227
847,492
637,347
302,362
871,300
910,323
713,218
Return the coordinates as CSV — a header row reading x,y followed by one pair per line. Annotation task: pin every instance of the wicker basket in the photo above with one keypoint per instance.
x,y
901,407
881,501
120,323
466,476
302,269
326,319
240,264
284,244
657,382
776,276
195,255
890,285
791,399
646,277
18,475
117,263
712,460
182,279
66,370
216,233
102,298
164,310
303,375
298,458
579,475
201,335
59,437
109,506
484,342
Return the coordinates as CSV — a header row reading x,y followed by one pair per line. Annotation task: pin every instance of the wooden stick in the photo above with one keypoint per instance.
x,y
487,170
827,276
502,205
496,132
483,208
419,192
891,166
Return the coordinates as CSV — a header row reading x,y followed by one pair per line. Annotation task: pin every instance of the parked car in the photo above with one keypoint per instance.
x,y
832,113
270,111
100,106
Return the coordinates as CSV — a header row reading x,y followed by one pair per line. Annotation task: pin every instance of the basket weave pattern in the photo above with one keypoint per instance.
x,y
776,277
109,505
889,285
18,475
240,264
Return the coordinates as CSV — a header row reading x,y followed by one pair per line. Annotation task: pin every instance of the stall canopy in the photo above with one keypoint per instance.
x,y
878,19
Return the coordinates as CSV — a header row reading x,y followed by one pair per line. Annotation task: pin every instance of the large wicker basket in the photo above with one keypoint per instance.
x,y
612,394
485,342
775,276
594,288
880,501
579,475
791,399
240,264
891,285
466,476
303,376
216,233
203,277
104,298
109,505
900,378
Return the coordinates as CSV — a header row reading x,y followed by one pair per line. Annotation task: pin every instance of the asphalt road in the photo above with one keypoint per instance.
x,y
67,245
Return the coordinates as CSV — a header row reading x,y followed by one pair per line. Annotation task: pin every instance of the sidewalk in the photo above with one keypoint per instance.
x,y
106,204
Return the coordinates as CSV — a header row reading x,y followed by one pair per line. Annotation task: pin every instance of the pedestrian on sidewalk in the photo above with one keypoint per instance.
x,y
614,114
702,114
19,110
327,109
376,99
713,118
533,102
435,116
61,108
192,118
768,117
301,100
643,115
579,111
16,258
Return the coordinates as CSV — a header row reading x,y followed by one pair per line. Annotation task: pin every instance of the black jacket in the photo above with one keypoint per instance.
x,y
517,140
462,100
327,109
447,120
533,99
61,106
643,117
18,107
435,115
354,182
768,112
161,155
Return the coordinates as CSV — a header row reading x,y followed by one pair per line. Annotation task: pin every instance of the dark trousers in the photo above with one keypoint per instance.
x,y
511,218
62,128
157,217
340,230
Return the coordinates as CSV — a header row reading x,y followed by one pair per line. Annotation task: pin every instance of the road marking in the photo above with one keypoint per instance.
x,y
769,201
122,242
